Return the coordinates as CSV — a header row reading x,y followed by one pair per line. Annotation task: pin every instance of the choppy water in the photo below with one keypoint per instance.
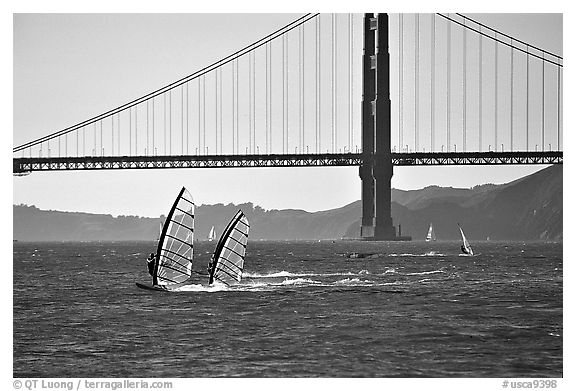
x,y
303,310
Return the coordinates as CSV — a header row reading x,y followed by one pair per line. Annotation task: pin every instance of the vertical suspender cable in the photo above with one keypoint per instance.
x,y
480,89
464,86
495,92
237,107
527,94
448,36
559,97
332,78
283,93
287,94
216,111
270,124
182,119
335,40
233,107
432,82
153,127
101,140
416,82
303,89
203,114
511,97
401,80
129,132
319,87
543,112
250,102
253,102
267,97
220,104
170,121
300,86
351,92
136,130
198,150
187,120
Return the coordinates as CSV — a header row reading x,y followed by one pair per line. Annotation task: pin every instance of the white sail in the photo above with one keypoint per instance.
x,y
176,244
228,259
431,235
211,234
465,243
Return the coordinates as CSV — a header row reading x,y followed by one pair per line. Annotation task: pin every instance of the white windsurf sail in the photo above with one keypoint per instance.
x,y
228,258
431,234
466,248
211,234
176,244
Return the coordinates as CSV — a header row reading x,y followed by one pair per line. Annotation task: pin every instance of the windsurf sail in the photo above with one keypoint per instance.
x,y
211,234
176,244
466,248
431,234
228,258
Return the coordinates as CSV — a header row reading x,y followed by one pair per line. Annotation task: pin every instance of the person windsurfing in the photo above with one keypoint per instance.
x,y
210,264
464,249
150,261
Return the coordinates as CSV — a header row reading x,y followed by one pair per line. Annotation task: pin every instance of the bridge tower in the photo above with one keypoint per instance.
x,y
377,169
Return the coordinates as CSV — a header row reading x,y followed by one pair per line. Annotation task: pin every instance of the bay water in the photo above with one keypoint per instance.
x,y
303,309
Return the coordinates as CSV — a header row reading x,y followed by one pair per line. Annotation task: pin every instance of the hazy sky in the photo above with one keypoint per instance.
x,y
69,67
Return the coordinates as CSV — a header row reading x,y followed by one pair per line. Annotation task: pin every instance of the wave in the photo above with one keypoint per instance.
x,y
216,287
299,281
285,273
353,281
426,254
423,273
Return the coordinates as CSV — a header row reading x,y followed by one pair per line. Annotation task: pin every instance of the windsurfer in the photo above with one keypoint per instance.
x,y
150,261
463,249
210,264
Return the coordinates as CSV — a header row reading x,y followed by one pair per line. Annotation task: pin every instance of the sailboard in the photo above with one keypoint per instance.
x,y
431,234
228,259
466,248
211,234
173,262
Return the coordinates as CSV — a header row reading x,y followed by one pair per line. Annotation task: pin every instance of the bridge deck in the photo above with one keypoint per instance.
x,y
25,165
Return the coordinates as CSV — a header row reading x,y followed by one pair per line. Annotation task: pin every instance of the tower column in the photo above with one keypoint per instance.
x,y
383,168
368,95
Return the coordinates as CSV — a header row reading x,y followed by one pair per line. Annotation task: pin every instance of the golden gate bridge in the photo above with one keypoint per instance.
x,y
420,89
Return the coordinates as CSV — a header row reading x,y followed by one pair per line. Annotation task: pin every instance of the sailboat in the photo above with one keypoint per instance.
x,y
227,262
466,248
211,234
173,261
431,234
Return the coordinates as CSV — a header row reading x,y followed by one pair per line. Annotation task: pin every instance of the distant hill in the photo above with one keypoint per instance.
x,y
529,208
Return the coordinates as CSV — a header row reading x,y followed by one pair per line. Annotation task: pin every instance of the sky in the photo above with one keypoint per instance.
x,y
68,67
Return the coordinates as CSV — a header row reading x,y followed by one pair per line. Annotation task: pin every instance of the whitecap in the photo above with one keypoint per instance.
x,y
299,281
422,273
